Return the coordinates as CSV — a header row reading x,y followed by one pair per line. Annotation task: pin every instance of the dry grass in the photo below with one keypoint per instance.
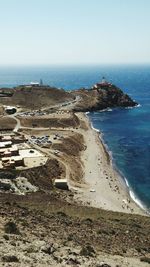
x,y
48,122
7,123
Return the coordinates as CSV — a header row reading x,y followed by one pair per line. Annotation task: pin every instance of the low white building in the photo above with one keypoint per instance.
x,y
34,83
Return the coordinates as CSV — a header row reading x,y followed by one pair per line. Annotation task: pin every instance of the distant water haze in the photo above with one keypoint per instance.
x,y
126,131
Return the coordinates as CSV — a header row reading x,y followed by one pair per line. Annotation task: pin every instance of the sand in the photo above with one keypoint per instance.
x,y
104,188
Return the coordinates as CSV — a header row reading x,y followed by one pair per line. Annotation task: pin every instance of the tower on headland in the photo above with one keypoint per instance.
x,y
102,85
41,82
103,80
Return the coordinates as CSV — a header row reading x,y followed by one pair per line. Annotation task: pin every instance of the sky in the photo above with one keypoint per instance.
x,y
47,32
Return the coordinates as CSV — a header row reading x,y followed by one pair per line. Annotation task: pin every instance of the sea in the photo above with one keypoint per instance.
x,y
125,131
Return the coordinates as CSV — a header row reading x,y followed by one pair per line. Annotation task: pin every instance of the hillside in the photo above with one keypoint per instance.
x,y
36,97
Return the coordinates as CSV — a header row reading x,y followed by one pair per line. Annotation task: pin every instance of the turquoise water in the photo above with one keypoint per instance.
x,y
125,131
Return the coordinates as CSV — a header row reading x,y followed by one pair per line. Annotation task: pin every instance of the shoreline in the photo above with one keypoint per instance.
x,y
105,187
122,177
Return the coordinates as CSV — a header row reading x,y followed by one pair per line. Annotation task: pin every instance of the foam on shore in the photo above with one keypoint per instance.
x,y
137,106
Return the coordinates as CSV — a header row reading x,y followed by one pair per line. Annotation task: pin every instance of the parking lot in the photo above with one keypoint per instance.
x,y
45,139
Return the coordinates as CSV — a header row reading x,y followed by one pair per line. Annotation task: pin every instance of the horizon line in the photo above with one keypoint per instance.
x,y
74,64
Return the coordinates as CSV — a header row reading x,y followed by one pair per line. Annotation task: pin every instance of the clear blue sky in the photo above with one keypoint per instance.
x,y
74,31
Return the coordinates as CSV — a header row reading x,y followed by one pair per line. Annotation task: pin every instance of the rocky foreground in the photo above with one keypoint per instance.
x,y
50,230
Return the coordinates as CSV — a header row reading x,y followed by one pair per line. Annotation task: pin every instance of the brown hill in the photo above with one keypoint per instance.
x,y
61,121
7,123
36,97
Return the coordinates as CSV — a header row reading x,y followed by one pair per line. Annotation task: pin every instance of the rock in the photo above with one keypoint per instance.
x,y
23,186
9,258
103,265
73,261
88,250
49,249
32,249
6,237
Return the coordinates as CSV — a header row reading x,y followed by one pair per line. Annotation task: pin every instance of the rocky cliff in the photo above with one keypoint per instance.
x,y
102,98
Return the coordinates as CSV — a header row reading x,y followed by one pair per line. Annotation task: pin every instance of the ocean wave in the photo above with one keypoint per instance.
x,y
98,131
137,106
126,181
137,201
134,197
105,110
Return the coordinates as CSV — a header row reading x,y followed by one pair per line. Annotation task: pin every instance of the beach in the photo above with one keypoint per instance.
x,y
103,187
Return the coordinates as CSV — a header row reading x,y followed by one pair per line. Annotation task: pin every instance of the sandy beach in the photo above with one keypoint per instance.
x,y
103,187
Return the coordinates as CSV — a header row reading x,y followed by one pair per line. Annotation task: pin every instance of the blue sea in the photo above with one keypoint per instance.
x,y
126,132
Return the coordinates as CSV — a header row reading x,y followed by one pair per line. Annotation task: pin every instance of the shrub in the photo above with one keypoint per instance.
x,y
10,258
11,228
145,259
88,250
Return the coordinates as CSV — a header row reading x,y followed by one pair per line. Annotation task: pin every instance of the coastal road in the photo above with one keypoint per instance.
x,y
63,106
17,125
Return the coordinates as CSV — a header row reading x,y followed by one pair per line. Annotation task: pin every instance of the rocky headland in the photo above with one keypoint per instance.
x,y
80,100
99,98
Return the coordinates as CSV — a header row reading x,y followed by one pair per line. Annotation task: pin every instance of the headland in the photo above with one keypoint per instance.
x,y
48,145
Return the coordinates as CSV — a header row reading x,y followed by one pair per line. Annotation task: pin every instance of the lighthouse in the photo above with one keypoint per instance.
x,y
102,85
103,80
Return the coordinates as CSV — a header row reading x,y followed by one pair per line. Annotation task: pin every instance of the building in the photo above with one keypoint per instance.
x,y
34,84
18,139
19,161
8,152
12,162
5,138
5,144
102,85
8,163
61,184
14,150
15,139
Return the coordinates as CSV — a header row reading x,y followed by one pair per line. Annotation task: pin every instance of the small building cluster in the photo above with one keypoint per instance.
x,y
9,139
35,84
17,151
9,152
102,85
12,162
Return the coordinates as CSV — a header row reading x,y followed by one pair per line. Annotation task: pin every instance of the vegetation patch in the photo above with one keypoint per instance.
x,y
11,228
